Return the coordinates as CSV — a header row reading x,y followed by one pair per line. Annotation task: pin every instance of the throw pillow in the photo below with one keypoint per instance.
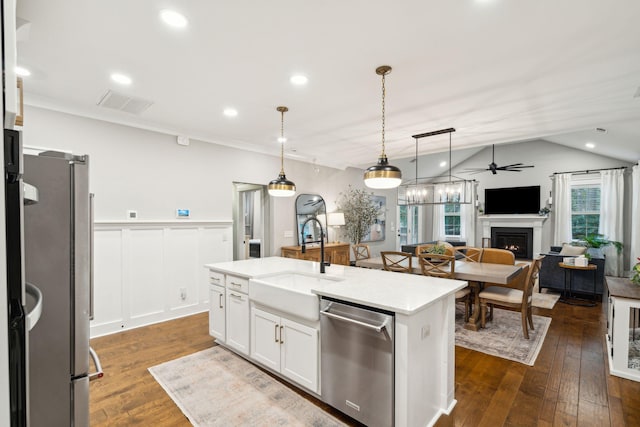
x,y
569,250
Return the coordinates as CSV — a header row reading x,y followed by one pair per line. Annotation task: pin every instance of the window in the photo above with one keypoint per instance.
x,y
408,225
452,218
585,209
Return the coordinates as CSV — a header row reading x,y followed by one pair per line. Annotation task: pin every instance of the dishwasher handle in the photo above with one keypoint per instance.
x,y
377,328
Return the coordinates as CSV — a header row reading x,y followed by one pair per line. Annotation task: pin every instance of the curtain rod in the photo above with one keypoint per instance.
x,y
586,171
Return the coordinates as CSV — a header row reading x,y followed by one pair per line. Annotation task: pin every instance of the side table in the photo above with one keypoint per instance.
x,y
568,274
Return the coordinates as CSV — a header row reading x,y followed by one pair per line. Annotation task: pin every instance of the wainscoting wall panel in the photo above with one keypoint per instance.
x,y
151,271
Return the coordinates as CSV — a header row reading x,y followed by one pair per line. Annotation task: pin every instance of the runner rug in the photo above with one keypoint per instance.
x,y
215,387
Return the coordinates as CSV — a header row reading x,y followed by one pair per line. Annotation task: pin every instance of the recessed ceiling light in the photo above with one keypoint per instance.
x,y
22,72
121,79
443,164
282,139
173,18
230,112
590,145
299,79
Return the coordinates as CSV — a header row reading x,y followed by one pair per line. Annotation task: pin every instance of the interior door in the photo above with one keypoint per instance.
x,y
250,221
409,225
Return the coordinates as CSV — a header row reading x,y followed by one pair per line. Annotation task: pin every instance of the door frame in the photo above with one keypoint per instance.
x,y
265,239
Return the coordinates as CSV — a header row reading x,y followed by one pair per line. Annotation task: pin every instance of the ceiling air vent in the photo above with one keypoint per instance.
x,y
118,101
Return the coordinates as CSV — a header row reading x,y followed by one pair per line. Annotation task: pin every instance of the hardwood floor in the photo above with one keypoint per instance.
x,y
568,386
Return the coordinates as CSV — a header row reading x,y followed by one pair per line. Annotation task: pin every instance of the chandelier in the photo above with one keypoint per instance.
x,y
438,190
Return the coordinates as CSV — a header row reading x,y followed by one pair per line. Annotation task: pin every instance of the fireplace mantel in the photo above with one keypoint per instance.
x,y
525,221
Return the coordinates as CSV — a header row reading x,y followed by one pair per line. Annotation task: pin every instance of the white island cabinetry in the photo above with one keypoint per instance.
x,y
273,323
285,346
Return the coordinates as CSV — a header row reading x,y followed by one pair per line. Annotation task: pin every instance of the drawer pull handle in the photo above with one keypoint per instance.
x,y
238,297
220,301
281,340
275,333
239,285
215,279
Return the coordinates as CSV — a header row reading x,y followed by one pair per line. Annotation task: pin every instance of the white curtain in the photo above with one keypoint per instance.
x,y
562,209
635,215
468,215
611,211
438,222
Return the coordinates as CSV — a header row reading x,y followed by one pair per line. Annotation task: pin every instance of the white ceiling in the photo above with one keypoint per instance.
x,y
496,70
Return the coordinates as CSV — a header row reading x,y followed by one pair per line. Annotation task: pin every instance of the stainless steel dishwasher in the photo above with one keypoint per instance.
x,y
357,361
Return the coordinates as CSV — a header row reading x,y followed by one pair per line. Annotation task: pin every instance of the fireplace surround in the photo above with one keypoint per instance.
x,y
524,221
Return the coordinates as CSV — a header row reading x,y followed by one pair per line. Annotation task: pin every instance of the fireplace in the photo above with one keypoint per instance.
x,y
518,240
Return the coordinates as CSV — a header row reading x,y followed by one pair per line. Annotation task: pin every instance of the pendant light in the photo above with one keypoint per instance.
x,y
382,175
281,186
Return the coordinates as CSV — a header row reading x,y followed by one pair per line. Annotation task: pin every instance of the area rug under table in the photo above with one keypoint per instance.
x,y
215,387
503,336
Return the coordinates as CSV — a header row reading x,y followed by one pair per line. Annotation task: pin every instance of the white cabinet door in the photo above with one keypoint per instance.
x,y
285,346
217,306
299,353
265,338
238,321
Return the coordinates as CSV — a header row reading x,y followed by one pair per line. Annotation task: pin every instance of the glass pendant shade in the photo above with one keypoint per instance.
x,y
281,186
382,175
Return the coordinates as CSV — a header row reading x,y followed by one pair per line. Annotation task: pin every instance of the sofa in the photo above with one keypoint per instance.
x,y
552,276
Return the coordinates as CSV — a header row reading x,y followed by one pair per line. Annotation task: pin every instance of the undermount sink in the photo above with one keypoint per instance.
x,y
290,293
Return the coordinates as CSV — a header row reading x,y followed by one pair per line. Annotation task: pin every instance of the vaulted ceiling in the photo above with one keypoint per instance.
x,y
498,71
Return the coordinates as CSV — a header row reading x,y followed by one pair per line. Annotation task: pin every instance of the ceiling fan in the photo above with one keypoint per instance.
x,y
494,168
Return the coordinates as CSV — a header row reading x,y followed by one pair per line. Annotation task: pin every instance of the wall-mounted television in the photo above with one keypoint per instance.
x,y
512,200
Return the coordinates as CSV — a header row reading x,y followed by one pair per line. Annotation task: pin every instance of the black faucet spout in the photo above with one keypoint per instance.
x,y
303,245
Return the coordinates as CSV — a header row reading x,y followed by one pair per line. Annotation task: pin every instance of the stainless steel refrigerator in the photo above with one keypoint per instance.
x,y
58,257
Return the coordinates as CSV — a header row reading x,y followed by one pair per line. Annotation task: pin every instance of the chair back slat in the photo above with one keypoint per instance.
x,y
396,261
437,265
361,251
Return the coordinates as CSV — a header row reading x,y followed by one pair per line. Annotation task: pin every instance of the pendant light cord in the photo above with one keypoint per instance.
x,y
282,142
449,156
383,121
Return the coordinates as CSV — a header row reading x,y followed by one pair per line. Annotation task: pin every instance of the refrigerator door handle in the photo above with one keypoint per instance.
x,y
91,199
96,361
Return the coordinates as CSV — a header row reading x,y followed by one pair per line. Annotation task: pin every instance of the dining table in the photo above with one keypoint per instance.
x,y
475,273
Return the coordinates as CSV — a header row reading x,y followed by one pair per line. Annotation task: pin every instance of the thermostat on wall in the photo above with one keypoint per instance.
x,y
183,213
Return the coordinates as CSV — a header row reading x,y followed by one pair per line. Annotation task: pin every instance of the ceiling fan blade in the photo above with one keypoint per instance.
x,y
518,167
508,166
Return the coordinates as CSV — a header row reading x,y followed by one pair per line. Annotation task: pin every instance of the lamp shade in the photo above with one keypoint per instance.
x,y
336,219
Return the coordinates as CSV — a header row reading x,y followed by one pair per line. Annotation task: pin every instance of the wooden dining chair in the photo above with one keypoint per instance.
x,y
361,251
498,256
444,266
516,298
468,253
397,261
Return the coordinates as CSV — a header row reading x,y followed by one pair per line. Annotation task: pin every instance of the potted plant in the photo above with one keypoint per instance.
x,y
636,273
599,241
359,213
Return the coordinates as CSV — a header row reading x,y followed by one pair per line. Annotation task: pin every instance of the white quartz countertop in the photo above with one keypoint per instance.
x,y
397,292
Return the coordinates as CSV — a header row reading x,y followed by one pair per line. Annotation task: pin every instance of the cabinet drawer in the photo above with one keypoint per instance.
x,y
216,278
238,284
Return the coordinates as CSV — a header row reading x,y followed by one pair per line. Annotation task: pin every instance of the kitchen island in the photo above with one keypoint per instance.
x,y
271,317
